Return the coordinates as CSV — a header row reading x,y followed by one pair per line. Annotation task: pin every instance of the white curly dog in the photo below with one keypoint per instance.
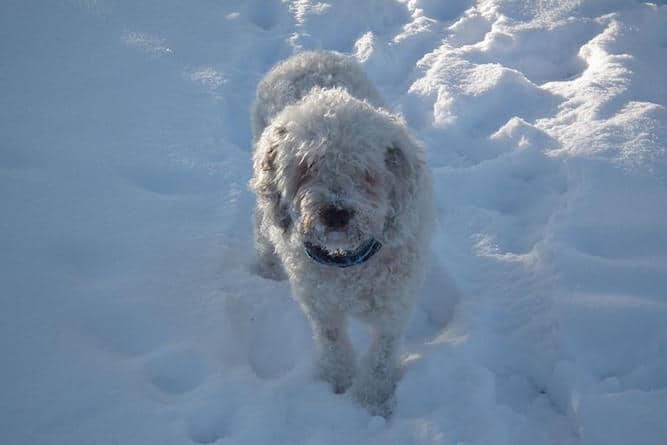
x,y
344,207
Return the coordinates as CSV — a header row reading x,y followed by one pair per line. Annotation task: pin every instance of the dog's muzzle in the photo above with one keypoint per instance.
x,y
344,258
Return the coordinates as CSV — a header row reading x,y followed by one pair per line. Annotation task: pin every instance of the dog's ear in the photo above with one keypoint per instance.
x,y
402,189
263,182
268,160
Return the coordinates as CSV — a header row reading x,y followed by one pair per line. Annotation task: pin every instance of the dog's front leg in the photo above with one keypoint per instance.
x,y
335,355
379,372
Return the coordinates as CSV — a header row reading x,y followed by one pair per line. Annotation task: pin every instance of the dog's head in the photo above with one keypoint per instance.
x,y
336,173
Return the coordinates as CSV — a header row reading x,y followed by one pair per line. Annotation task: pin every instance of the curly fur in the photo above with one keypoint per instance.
x,y
323,137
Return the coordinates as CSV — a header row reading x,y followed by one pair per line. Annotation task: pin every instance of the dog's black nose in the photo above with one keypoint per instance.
x,y
335,217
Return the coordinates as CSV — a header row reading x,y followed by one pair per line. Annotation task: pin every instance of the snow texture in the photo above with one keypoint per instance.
x,y
129,309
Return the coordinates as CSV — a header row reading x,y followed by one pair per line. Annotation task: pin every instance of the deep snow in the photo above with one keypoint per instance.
x,y
129,312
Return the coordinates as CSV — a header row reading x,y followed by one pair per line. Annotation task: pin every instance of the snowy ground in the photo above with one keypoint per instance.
x,y
129,313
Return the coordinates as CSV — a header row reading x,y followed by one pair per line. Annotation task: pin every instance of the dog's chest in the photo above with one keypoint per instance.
x,y
360,290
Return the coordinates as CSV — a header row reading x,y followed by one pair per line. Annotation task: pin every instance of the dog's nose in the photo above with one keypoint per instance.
x,y
336,217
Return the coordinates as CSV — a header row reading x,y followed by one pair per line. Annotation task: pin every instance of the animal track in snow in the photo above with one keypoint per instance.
x,y
535,51
210,424
478,99
443,11
469,29
126,332
268,15
168,180
176,371
175,169
268,343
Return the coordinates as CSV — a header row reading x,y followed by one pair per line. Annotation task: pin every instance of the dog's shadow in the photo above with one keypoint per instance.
x,y
436,305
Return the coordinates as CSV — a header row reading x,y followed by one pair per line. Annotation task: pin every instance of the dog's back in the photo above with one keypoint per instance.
x,y
291,80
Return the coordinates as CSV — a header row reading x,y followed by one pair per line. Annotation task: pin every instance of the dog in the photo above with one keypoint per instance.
x,y
344,211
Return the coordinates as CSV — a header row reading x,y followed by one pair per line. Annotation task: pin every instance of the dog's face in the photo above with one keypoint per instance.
x,y
337,201
335,181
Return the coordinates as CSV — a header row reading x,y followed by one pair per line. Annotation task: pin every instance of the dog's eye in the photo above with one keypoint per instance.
x,y
396,162
393,157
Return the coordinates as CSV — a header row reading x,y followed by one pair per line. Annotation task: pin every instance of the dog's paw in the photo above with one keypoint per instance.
x,y
377,404
377,396
340,378
342,383
336,367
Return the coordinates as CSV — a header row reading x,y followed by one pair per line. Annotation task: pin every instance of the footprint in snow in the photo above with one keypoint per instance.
x,y
176,371
210,424
127,331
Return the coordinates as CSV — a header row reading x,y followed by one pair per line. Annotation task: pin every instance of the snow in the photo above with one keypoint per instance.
x,y
129,310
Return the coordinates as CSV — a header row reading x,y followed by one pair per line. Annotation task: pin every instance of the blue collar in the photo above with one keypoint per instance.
x,y
343,259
